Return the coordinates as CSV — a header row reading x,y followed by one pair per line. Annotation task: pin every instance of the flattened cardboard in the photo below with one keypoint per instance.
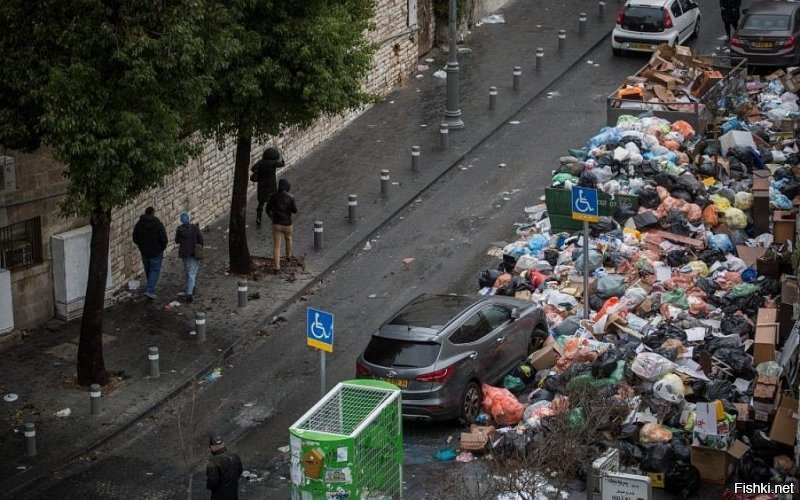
x,y
750,254
784,425
543,358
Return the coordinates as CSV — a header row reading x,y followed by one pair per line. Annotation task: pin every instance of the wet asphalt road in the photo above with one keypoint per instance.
x,y
272,381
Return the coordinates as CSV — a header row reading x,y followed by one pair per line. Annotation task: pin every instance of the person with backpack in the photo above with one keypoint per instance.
x,y
190,247
280,208
150,236
223,471
264,174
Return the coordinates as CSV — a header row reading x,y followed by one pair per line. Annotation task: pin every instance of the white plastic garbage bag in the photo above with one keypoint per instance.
x,y
651,366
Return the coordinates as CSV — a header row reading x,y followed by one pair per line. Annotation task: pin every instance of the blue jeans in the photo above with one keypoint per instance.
x,y
152,270
190,267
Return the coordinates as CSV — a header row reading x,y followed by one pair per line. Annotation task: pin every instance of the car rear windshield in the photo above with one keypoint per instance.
x,y
769,22
430,311
397,353
641,18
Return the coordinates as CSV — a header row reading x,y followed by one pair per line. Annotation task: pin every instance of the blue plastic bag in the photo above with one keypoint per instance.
x,y
607,134
720,242
538,243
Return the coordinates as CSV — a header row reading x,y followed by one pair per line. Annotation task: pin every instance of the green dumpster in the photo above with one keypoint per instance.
x,y
350,445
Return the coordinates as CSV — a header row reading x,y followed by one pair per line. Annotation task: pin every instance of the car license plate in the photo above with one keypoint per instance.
x,y
643,46
399,382
762,45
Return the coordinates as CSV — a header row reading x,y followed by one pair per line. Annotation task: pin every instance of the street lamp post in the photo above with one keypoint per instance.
x,y
452,113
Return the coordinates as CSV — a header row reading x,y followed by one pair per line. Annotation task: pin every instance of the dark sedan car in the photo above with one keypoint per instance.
x,y
768,34
439,349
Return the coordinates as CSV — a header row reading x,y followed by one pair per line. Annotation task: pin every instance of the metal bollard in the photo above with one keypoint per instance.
x,y
384,183
352,203
582,23
562,40
517,75
317,235
444,135
492,97
155,371
200,326
94,397
242,291
30,439
539,58
601,10
415,158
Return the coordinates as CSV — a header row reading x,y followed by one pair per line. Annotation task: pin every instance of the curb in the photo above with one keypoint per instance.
x,y
228,351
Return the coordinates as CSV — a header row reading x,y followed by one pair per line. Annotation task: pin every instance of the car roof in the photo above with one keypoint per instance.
x,y
772,7
648,3
425,317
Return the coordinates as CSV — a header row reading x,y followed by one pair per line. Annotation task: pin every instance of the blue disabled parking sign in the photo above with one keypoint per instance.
x,y
319,329
584,204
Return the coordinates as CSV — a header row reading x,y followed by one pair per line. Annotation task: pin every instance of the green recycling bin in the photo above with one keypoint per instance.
x,y
349,445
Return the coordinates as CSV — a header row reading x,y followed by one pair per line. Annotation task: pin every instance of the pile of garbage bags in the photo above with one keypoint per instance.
x,y
675,299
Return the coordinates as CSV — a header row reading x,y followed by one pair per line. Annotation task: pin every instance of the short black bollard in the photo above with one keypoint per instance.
x,y
317,235
539,58
492,97
152,355
517,75
352,203
415,158
582,23
200,326
30,439
94,397
384,183
444,135
242,292
601,10
562,40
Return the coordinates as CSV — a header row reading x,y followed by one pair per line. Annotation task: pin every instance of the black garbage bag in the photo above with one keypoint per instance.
x,y
707,168
487,277
782,173
658,458
604,365
628,349
665,180
710,256
738,361
540,395
683,452
736,323
739,236
682,194
508,264
648,169
551,256
538,378
678,223
667,352
682,480
553,384
754,469
614,259
567,327
709,286
602,226
770,287
679,257
630,432
748,305
745,155
517,284
698,390
722,343
645,220
648,198
629,453
623,213
596,302
790,189
719,389
587,180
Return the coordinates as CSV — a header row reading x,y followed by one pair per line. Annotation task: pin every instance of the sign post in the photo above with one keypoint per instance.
x,y
319,335
586,209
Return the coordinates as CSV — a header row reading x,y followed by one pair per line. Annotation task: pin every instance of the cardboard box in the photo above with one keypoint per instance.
x,y
764,346
716,466
766,388
708,79
543,358
736,138
767,315
784,426
789,289
710,432
742,415
477,438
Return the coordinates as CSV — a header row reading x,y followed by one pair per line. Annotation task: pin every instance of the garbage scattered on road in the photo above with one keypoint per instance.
x,y
445,454
10,397
440,74
172,305
66,412
491,19
215,374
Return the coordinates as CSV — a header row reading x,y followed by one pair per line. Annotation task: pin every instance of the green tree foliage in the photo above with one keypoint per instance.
x,y
109,87
295,61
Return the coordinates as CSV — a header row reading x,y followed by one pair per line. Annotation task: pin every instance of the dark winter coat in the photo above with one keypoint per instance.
x,y
730,9
222,475
150,236
281,205
186,236
264,173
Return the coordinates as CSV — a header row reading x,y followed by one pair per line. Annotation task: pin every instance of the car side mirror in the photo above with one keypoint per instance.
x,y
514,313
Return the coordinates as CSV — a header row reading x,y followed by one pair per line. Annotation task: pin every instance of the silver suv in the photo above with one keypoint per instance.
x,y
439,349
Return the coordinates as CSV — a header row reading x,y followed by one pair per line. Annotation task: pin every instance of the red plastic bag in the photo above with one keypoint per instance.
x,y
683,128
502,405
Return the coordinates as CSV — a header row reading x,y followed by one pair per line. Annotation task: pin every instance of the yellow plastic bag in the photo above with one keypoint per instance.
x,y
735,218
743,201
722,203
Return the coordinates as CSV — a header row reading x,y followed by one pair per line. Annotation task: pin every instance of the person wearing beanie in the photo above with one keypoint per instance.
x,y
280,208
264,173
188,237
150,236
223,471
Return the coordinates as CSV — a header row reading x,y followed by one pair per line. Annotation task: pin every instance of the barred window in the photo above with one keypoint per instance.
x,y
21,244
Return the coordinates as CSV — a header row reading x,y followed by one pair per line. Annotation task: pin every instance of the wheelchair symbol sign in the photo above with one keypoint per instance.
x,y
319,329
584,204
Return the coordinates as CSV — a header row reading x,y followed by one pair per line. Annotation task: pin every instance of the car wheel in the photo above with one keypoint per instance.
x,y
538,338
616,52
471,402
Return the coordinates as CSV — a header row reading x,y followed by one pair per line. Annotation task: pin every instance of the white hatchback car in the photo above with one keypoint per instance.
x,y
644,24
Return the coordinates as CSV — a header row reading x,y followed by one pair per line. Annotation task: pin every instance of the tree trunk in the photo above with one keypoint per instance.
x,y
238,253
91,367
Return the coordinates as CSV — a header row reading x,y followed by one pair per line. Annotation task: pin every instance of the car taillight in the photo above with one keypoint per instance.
x,y
438,375
789,42
667,20
362,370
621,16
736,41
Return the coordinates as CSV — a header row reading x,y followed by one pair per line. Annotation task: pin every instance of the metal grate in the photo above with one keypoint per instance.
x,y
380,456
21,244
345,410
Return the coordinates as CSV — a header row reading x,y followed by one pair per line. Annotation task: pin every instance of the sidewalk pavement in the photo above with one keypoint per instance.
x,y
41,370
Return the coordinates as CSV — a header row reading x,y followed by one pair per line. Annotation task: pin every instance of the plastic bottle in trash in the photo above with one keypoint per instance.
x,y
599,272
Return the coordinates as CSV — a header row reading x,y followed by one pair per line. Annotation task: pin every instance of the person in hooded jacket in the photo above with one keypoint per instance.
x,y
150,236
264,173
223,470
730,15
280,208
187,236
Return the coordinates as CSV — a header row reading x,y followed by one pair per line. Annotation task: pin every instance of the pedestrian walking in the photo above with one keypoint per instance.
x,y
264,173
150,236
223,471
730,15
190,250
280,208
